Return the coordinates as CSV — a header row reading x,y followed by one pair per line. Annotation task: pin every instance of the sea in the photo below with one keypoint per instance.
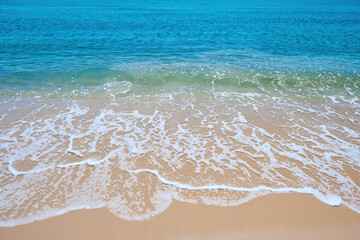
x,y
132,105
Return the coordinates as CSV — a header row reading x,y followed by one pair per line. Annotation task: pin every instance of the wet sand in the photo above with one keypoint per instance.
x,y
275,216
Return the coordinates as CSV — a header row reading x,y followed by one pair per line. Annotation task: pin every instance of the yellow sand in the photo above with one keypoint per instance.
x,y
275,216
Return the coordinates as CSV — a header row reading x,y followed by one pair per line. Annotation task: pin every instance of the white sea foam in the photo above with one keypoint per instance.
x,y
155,149
70,148
329,199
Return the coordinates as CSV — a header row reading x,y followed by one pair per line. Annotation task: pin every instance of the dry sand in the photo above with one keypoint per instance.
x,y
275,216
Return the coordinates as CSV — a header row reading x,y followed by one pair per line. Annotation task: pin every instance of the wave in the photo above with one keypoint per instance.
x,y
136,153
138,79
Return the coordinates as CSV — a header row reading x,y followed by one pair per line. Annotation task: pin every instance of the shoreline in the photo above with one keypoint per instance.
x,y
274,216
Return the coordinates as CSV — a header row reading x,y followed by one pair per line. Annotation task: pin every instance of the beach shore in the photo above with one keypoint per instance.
x,y
152,120
274,216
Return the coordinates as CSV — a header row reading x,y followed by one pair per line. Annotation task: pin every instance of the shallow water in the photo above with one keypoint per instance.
x,y
133,106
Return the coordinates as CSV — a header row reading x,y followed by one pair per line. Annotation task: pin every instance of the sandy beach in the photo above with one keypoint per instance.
x,y
156,171
275,216
162,120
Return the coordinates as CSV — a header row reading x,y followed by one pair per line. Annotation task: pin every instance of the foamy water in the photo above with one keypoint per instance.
x,y
136,153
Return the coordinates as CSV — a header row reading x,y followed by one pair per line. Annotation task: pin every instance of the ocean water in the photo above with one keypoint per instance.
x,y
135,104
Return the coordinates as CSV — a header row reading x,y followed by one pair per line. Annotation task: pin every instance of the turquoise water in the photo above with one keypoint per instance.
x,y
41,42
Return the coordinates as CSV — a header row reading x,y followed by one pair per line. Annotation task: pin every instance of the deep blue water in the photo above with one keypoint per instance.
x,y
41,38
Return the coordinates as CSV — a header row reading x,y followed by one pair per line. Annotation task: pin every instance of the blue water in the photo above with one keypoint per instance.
x,y
45,45
51,37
